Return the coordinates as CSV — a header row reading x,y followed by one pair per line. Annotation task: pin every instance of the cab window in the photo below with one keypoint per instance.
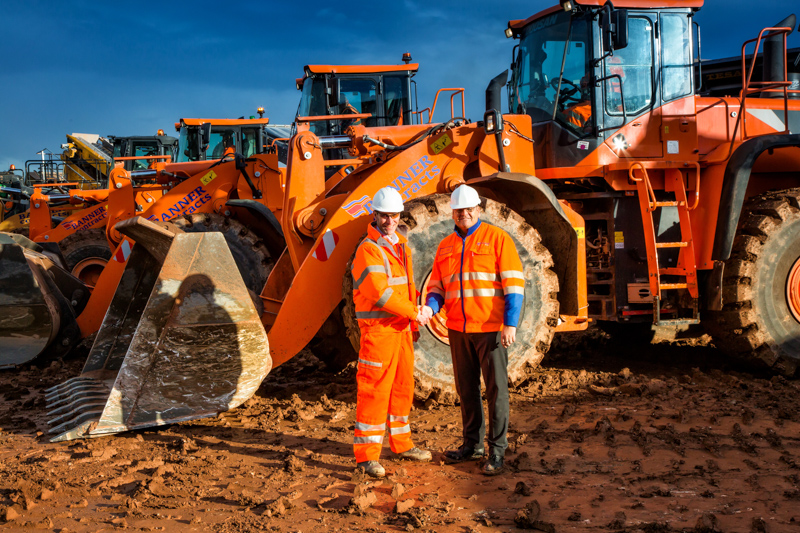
x,y
219,141
676,56
633,65
359,96
396,100
249,142
149,149
313,103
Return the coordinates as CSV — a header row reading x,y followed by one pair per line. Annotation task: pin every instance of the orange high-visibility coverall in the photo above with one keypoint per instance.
x,y
384,295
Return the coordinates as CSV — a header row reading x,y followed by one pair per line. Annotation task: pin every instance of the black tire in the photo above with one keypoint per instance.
x,y
249,252
428,221
84,244
756,322
332,344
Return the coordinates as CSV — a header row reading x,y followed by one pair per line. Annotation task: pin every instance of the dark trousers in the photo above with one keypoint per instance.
x,y
473,354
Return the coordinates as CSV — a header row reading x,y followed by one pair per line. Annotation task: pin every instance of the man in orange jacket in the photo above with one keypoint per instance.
x,y
384,294
477,277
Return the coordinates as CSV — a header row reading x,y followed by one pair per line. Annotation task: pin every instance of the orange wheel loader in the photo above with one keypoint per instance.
x,y
314,225
81,236
700,204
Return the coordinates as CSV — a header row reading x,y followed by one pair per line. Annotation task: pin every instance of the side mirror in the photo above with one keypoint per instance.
x,y
615,29
333,93
205,136
619,21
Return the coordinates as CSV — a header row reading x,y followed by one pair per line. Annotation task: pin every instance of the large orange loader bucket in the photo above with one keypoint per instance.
x,y
181,340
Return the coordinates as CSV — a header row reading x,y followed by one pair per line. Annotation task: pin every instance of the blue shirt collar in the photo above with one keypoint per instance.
x,y
470,231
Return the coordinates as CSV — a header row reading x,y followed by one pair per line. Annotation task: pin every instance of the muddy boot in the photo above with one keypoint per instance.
x,y
372,469
415,454
463,453
494,465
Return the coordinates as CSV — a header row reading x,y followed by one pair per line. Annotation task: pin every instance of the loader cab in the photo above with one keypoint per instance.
x,y
206,139
383,91
144,146
585,72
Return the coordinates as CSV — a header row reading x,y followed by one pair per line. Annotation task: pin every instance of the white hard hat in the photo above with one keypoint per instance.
x,y
464,197
387,200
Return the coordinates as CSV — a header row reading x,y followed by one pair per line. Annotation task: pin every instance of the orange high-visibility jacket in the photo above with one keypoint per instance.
x,y
383,283
478,279
580,114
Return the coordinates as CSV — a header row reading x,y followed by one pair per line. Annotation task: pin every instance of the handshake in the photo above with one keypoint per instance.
x,y
424,315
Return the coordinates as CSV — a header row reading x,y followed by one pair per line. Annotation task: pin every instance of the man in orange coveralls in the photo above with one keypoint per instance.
x,y
477,277
384,294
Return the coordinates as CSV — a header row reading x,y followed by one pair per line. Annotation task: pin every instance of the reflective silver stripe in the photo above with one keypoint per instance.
x,y
470,293
393,418
398,281
514,289
376,439
367,271
480,276
483,292
473,276
363,315
370,363
384,298
452,279
400,430
512,274
386,264
361,426
435,290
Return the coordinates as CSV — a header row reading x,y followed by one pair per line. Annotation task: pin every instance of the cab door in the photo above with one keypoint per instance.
x,y
629,93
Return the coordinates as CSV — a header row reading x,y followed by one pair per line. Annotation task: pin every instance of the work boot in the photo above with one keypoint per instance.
x,y
494,465
415,454
372,469
463,453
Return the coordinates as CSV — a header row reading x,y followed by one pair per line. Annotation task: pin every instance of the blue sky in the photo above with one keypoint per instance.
x,y
116,68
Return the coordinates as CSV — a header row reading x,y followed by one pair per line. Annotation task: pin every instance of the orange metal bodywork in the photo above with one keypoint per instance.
x,y
298,278
220,122
208,185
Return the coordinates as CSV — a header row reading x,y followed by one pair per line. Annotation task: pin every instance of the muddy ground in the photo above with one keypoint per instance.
x,y
605,437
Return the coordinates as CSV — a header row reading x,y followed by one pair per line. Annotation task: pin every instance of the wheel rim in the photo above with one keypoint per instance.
x,y
89,270
793,290
438,324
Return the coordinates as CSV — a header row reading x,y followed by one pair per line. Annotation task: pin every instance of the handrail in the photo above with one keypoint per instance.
x,y
648,186
764,85
319,118
696,188
456,91
419,115
166,157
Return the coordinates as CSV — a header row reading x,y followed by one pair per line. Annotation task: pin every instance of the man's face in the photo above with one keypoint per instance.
x,y
387,222
467,217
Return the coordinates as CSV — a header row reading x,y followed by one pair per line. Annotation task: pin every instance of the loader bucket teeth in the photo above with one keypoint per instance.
x,y
181,340
38,303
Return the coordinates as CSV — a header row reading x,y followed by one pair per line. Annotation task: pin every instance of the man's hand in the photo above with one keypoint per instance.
x,y
424,315
508,336
415,335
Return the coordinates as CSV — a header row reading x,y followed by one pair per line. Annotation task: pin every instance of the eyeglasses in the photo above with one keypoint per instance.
x,y
393,216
